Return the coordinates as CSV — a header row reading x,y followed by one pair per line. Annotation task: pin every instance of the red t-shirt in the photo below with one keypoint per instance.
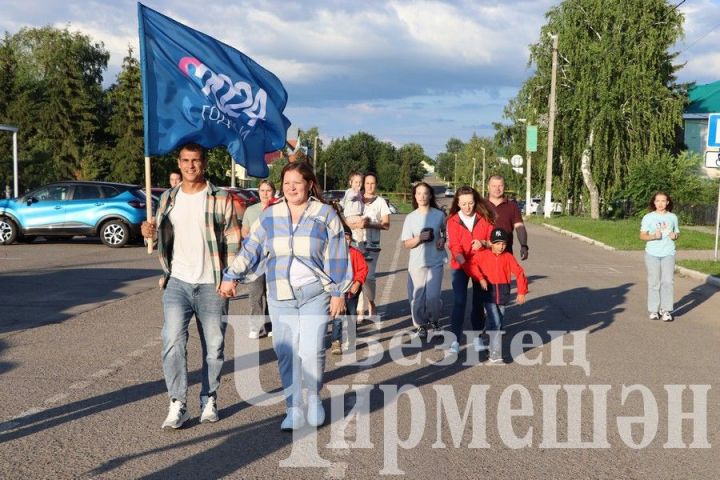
x,y
507,215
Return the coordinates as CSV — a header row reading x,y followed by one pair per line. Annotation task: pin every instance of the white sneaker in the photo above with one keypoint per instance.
x,y
495,357
666,316
177,415
294,419
454,348
255,333
480,344
208,409
315,411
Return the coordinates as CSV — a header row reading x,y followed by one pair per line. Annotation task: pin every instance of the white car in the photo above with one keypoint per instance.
x,y
537,206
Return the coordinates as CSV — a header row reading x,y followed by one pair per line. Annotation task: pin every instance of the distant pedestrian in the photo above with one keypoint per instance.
x,y
659,229
197,236
353,206
257,290
494,268
423,233
507,214
469,225
360,272
376,218
175,179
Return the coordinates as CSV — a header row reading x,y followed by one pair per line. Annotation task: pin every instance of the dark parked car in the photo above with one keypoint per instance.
x,y
333,195
112,211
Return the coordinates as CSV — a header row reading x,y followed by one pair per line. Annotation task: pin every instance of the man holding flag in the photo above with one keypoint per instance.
x,y
199,92
197,236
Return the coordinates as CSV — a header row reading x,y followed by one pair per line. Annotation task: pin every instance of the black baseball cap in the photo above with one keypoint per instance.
x,y
499,235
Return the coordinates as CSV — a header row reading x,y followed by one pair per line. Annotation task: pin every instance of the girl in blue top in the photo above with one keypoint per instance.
x,y
659,229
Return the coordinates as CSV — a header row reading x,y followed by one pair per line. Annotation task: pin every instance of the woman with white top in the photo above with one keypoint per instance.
x,y
299,244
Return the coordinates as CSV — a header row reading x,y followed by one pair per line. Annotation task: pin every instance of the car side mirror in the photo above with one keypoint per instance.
x,y
31,200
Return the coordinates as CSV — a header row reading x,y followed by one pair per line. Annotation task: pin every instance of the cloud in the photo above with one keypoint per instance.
x,y
406,70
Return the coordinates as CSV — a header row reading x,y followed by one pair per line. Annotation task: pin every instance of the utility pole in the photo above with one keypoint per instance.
x,y
483,172
551,130
473,179
455,182
324,176
315,154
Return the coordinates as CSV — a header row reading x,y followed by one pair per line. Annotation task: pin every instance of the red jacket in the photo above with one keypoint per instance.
x,y
460,238
497,270
359,265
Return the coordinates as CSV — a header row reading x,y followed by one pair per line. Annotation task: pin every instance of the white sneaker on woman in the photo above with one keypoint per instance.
x,y
294,419
315,411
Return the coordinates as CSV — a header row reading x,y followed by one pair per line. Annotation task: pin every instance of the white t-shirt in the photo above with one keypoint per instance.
x,y
468,221
300,274
191,260
375,211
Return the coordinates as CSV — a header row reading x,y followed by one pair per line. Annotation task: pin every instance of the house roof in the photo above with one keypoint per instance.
x,y
704,98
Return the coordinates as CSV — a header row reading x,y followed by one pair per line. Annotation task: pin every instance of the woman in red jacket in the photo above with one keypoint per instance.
x,y
468,227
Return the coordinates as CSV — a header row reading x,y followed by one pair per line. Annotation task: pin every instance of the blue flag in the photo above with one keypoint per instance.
x,y
199,90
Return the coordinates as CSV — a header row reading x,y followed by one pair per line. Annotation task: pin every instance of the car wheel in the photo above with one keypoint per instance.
x,y
114,234
8,231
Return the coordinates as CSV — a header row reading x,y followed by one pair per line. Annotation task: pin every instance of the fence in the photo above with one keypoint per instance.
x,y
696,214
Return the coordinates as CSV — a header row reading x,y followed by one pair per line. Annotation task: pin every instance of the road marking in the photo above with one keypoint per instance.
x,y
338,470
78,386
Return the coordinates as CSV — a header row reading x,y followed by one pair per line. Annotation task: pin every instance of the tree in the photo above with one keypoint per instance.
x,y
616,85
125,124
445,161
57,101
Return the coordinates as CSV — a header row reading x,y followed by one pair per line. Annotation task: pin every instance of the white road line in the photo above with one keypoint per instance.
x,y
80,385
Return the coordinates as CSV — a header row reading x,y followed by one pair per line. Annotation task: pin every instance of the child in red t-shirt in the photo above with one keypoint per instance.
x,y
360,272
493,269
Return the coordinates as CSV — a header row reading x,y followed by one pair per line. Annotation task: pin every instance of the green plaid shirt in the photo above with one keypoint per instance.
x,y
221,230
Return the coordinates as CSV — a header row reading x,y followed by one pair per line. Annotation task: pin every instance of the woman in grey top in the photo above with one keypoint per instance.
x,y
424,234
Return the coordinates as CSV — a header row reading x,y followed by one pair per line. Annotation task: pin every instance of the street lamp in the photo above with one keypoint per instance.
x,y
483,172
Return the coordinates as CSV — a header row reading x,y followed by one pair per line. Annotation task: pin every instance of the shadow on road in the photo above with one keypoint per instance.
x,y
24,306
694,298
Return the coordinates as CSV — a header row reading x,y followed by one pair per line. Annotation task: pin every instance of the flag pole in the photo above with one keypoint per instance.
x,y
148,201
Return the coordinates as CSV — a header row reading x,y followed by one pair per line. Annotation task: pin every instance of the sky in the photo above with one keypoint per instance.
x,y
402,70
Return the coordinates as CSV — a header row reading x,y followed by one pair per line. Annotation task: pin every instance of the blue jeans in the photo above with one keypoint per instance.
x,y
495,315
299,327
460,289
351,304
660,276
181,301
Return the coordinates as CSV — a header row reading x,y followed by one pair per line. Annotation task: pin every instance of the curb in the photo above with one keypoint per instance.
x,y
579,237
686,272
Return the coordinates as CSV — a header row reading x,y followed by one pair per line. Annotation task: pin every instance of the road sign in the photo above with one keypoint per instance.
x,y
516,160
712,159
531,138
713,131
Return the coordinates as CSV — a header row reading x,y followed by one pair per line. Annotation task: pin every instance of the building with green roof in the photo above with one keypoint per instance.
x,y
704,100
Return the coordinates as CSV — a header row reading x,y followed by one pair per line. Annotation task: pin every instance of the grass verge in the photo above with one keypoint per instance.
x,y
710,267
622,234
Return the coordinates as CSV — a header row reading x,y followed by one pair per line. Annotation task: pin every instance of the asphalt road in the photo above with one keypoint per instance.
x,y
82,394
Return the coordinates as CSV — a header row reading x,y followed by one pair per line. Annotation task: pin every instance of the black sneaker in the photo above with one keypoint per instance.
x,y
421,332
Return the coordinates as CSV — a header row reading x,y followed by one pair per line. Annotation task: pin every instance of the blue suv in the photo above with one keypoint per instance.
x,y
112,211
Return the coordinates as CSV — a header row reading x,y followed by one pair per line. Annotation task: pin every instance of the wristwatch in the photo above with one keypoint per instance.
x,y
525,246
